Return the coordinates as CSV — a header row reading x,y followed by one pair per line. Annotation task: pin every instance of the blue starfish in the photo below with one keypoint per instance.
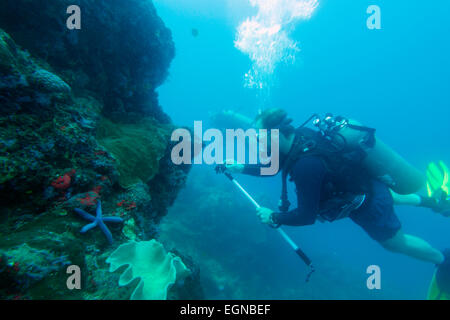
x,y
98,220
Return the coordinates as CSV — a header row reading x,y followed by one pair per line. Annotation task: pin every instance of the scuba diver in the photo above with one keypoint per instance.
x,y
341,169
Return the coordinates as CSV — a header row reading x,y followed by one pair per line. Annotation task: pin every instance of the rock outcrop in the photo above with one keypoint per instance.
x,y
72,105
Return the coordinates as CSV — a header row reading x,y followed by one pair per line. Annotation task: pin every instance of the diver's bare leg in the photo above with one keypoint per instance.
x,y
407,200
414,247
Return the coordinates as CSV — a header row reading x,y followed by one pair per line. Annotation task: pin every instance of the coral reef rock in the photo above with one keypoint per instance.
x,y
79,123
122,51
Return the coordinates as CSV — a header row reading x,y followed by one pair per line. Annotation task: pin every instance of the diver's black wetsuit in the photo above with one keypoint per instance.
x,y
376,216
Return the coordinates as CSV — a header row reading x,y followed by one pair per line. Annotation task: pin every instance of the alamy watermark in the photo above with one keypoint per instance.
x,y
74,280
195,150
73,22
374,280
374,20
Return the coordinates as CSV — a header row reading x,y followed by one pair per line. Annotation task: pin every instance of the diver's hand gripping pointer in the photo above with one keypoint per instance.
x,y
294,246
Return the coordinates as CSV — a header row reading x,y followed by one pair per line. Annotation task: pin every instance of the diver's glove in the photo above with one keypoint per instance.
x,y
267,216
233,166
273,222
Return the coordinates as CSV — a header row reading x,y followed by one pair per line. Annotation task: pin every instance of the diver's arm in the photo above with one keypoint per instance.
x,y
239,118
255,170
229,119
295,217
249,169
308,175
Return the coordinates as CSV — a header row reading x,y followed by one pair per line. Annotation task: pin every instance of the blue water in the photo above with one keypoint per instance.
x,y
395,79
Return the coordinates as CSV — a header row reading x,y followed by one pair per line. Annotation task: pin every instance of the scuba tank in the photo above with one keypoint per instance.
x,y
380,161
349,147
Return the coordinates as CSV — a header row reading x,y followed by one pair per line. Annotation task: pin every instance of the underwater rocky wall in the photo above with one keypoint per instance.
x,y
80,122
122,52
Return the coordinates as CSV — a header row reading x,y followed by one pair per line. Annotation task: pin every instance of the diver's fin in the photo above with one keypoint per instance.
x,y
437,180
440,284
434,293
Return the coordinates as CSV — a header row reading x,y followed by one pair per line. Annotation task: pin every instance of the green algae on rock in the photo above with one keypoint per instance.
x,y
137,147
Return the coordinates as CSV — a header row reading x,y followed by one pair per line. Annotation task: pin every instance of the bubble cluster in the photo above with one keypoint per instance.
x,y
265,37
